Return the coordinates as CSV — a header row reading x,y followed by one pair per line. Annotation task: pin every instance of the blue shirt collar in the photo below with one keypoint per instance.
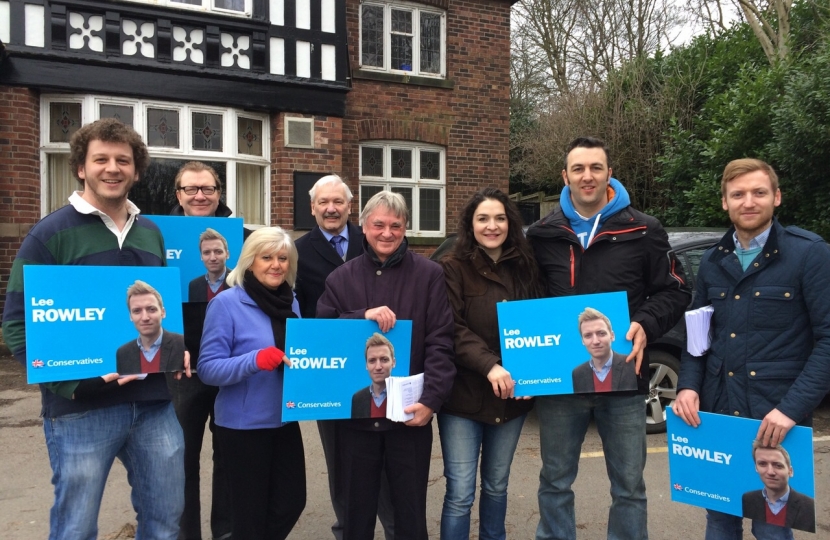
x,y
756,243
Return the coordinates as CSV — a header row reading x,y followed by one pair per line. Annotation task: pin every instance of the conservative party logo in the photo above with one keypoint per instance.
x,y
678,487
37,363
290,405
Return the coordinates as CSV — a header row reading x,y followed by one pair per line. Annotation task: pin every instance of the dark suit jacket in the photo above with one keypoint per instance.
x,y
801,509
622,375
197,288
362,403
128,356
318,259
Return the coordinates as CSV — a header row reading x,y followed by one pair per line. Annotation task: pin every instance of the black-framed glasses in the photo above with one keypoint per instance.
x,y
193,190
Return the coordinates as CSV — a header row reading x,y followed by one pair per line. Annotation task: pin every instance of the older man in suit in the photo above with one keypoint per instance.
x,y
155,351
332,242
606,371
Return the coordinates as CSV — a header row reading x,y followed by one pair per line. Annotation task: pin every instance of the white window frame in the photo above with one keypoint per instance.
x,y
230,139
207,6
416,9
387,182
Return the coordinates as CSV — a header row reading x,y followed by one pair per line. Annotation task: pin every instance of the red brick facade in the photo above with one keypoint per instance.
x,y
19,173
471,119
468,115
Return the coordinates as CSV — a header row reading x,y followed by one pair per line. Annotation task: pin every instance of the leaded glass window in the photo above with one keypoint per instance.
x,y
163,127
207,132
405,39
124,113
371,36
371,161
64,120
430,43
250,136
415,171
175,134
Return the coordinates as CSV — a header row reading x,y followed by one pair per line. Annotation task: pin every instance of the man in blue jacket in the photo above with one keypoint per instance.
x,y
596,242
770,353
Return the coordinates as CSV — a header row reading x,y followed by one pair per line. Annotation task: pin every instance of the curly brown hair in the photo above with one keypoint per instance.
x,y
107,130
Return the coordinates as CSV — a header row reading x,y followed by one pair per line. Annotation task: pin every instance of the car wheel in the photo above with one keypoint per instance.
x,y
662,389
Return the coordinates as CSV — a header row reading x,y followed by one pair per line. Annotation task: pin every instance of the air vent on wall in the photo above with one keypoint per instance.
x,y
299,132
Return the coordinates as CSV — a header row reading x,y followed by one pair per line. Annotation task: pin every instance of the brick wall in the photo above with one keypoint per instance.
x,y
326,157
472,119
19,173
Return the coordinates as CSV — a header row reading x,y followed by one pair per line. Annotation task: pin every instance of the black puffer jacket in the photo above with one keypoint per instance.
x,y
630,252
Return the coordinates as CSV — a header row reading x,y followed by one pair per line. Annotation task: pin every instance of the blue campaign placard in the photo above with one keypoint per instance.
x,y
328,367
181,241
542,348
711,466
77,317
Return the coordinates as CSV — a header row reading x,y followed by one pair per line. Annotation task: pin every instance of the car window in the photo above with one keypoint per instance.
x,y
692,262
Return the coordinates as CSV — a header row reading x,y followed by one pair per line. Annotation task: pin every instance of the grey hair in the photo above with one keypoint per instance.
x,y
329,180
393,202
267,240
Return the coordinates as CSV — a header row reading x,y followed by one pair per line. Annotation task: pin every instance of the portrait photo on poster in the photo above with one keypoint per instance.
x,y
204,249
344,374
569,344
721,466
75,332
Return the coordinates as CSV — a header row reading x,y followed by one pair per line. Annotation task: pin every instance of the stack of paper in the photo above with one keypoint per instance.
x,y
698,338
401,392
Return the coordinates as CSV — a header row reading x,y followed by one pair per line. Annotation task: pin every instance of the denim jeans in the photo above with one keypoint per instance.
x,y
621,423
193,401
461,442
720,526
146,437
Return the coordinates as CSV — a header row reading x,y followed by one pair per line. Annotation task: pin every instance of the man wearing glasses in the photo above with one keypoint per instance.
x,y
198,191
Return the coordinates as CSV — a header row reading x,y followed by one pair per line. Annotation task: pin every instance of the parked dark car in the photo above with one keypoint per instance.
x,y
664,354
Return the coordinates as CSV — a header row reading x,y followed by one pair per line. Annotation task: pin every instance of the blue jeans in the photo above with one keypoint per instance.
x,y
461,441
621,422
146,437
720,526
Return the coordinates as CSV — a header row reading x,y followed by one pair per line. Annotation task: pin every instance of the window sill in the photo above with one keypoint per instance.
x,y
425,240
402,79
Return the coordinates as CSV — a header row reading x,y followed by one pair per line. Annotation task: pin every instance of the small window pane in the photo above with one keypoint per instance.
x,y
207,132
61,181
250,136
234,5
430,43
371,163
163,128
401,52
189,2
64,120
366,193
401,163
401,21
249,194
429,216
407,195
430,165
124,113
371,36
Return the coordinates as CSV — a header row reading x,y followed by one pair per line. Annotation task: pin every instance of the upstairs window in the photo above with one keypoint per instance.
x,y
227,7
402,38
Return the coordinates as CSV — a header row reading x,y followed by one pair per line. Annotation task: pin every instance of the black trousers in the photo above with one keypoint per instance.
x,y
193,401
404,454
266,468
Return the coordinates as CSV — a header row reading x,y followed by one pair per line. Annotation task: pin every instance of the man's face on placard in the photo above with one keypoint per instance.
x,y
214,256
772,467
379,363
146,312
597,338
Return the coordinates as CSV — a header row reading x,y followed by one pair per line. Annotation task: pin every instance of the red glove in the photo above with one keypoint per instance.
x,y
269,358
